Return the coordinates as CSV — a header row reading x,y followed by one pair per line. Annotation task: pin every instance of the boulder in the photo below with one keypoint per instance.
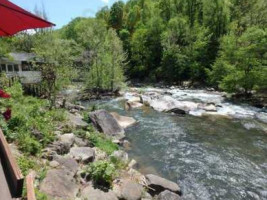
x,y
123,121
121,155
262,117
67,139
80,142
91,193
208,107
82,154
168,195
168,103
133,104
107,124
76,121
58,147
158,185
68,164
177,111
59,185
128,190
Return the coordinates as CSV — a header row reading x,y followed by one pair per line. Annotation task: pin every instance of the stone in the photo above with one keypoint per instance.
x,y
177,111
54,164
123,121
262,117
133,104
67,139
59,185
131,190
99,154
58,147
159,184
80,142
208,107
76,121
68,164
168,195
83,154
107,124
121,155
132,164
91,193
168,103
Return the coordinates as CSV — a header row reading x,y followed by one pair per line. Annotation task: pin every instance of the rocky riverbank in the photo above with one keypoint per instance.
x,y
79,167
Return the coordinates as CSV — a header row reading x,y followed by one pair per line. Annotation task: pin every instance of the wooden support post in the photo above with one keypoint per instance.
x,y
30,186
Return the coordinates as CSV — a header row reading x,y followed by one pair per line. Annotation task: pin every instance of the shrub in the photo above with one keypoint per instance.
x,y
102,172
25,164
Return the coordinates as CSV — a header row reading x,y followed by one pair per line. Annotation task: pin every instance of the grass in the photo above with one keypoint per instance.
x,y
32,125
98,140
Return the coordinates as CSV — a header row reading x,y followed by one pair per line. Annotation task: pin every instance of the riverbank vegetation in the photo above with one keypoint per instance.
x,y
198,42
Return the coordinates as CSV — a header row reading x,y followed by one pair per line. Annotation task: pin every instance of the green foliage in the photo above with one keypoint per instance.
x,y
102,172
31,125
100,141
26,164
242,62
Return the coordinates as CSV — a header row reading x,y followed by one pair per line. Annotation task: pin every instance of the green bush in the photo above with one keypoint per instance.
x,y
100,141
102,172
25,164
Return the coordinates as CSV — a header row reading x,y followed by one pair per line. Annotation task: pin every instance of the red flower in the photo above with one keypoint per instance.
x,y
7,114
4,95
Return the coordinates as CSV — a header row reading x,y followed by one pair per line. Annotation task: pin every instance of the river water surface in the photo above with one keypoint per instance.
x,y
210,157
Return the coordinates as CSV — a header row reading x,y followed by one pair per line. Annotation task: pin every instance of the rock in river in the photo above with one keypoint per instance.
x,y
123,121
107,124
159,184
167,195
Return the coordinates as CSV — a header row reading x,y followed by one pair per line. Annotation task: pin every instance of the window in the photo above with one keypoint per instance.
x,y
16,68
3,68
10,68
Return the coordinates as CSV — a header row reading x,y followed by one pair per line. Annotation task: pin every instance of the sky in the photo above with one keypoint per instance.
x,y
61,12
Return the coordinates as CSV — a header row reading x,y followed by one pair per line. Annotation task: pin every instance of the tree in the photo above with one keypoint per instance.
x,y
116,15
58,56
241,66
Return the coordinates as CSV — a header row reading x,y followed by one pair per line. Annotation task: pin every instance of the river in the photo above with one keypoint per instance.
x,y
209,156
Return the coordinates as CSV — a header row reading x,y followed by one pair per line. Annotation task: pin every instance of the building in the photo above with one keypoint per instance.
x,y
21,65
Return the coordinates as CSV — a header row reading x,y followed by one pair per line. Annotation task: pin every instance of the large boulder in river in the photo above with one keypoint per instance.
x,y
58,184
123,121
168,103
168,195
158,185
107,124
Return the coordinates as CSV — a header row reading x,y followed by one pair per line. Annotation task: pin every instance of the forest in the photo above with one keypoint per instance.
x,y
221,44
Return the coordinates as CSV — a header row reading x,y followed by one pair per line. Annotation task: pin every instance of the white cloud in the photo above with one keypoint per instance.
x,y
105,1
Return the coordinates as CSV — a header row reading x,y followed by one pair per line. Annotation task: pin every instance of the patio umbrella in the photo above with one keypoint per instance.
x,y
14,19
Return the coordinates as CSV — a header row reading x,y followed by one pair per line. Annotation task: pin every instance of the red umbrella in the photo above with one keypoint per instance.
x,y
14,19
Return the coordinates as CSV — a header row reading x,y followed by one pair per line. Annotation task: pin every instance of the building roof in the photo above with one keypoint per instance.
x,y
22,56
18,57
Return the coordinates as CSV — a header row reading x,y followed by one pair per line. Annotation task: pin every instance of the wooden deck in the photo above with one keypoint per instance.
x,y
11,179
5,193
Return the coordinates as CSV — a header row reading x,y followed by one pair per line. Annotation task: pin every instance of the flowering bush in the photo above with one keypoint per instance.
x,y
6,114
